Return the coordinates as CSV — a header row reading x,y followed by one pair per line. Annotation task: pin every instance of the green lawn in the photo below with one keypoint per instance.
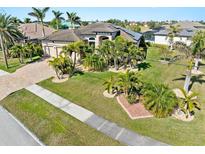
x,y
86,90
13,63
51,125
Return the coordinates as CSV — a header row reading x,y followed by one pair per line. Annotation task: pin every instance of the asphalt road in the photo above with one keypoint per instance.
x,y
13,133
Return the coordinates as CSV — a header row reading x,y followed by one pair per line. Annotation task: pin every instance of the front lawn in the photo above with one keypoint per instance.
x,y
51,125
13,63
87,91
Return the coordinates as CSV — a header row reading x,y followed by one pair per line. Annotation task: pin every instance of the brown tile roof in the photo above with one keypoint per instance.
x,y
34,30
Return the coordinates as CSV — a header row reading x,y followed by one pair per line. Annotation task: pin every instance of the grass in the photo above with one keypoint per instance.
x,y
51,125
14,63
86,90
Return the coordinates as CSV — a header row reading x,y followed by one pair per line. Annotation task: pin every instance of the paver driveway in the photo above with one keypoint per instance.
x,y
25,76
13,133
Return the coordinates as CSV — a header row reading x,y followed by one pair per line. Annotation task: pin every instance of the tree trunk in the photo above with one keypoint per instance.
x,y
43,30
187,81
115,63
4,54
196,65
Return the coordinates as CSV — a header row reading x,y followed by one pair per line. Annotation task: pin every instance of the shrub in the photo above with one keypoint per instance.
x,y
159,99
131,98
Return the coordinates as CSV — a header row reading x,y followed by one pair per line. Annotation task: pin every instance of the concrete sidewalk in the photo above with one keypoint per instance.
x,y
13,133
108,128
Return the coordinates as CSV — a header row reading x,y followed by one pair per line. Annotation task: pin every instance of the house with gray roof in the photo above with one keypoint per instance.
x,y
187,31
92,34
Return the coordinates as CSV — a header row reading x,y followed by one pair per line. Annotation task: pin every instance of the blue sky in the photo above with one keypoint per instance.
x,y
134,14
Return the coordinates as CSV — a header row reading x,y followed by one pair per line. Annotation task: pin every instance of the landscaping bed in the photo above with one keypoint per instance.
x,y
87,91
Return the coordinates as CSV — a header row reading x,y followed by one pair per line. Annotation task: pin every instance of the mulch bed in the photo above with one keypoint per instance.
x,y
135,111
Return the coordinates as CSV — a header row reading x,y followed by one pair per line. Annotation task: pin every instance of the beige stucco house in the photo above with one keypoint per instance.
x,y
93,34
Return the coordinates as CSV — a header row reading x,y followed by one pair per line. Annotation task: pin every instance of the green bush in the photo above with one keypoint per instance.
x,y
132,98
159,99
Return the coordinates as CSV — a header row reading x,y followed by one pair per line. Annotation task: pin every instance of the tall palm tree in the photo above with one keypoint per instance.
x,y
40,15
188,103
8,33
198,46
73,18
57,18
173,30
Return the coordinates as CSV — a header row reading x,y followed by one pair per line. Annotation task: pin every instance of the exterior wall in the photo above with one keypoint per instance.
x,y
52,49
164,40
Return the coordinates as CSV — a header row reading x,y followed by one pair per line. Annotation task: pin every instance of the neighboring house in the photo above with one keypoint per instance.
x,y
187,30
33,31
93,34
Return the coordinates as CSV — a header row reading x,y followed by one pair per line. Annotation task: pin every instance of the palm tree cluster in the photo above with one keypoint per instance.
x,y
127,83
62,65
28,50
116,53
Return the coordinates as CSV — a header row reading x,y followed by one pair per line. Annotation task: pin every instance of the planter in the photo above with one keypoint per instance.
x,y
178,114
63,79
108,95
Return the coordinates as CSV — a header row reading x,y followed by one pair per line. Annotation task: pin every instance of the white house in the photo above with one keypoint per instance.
x,y
187,30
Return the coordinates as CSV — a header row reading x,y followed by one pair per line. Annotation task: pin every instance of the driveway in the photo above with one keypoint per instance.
x,y
13,133
23,77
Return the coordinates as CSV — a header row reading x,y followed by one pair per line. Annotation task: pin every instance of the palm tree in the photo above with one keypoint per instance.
x,y
73,18
188,102
198,46
62,65
129,83
40,15
159,99
173,30
57,18
27,20
8,33
17,51
74,48
110,85
94,62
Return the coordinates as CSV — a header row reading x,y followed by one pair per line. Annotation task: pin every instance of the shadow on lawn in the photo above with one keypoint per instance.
x,y
143,66
194,79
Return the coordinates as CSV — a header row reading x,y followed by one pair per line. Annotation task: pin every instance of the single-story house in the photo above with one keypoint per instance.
x,y
187,31
93,34
33,31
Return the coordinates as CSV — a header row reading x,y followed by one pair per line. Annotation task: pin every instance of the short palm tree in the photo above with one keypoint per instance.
x,y
9,33
110,85
94,62
159,99
188,103
73,18
17,51
40,15
173,30
58,18
198,47
128,83
61,65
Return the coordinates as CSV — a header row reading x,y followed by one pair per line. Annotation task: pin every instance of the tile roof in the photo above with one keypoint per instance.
x,y
34,30
92,29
